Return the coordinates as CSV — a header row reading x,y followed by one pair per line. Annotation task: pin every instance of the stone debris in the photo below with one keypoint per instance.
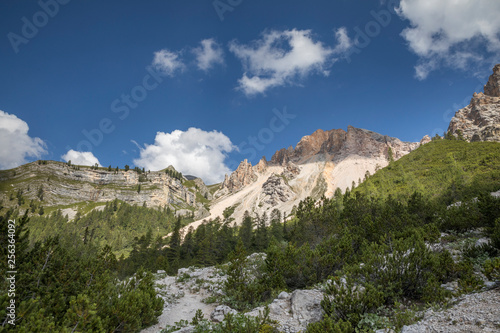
x,y
473,313
220,313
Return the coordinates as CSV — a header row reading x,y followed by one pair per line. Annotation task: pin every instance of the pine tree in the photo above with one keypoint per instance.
x,y
174,244
390,155
245,232
261,237
235,285
276,229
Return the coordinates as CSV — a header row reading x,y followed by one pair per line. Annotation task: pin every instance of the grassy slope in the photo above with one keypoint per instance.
x,y
442,169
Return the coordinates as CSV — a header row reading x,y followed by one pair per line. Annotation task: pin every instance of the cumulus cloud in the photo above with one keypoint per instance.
x,y
16,145
284,57
195,152
208,54
80,158
453,33
167,62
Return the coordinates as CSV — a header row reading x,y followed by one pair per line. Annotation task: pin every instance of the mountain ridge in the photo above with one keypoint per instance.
x,y
61,184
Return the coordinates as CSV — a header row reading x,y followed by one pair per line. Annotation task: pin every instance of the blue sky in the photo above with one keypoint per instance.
x,y
188,82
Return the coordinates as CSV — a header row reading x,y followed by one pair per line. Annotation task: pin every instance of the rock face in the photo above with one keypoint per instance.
x,y
262,165
60,184
276,191
318,165
336,144
202,188
480,120
425,139
492,87
295,311
243,175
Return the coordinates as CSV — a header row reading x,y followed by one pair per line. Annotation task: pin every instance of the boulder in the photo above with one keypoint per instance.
x,y
220,313
306,306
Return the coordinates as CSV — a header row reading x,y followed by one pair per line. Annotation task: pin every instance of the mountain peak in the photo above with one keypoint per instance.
x,y
492,87
242,176
480,120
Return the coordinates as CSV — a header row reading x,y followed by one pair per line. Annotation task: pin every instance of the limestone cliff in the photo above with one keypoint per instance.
x,y
59,184
336,144
480,120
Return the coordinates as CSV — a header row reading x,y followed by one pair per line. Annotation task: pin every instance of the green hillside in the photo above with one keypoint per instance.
x,y
442,169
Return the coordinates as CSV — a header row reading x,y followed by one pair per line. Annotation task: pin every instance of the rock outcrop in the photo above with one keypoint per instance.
x,y
262,165
244,175
336,144
492,87
480,120
290,171
220,313
276,191
61,184
293,312
425,139
282,156
202,188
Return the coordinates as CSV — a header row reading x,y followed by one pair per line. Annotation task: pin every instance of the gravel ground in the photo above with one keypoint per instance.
x,y
473,313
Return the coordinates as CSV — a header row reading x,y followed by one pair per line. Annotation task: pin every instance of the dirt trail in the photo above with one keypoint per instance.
x,y
183,307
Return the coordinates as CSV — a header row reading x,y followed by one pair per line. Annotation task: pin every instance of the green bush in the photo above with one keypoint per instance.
x,y
346,301
495,235
491,268
242,291
371,322
328,325
470,283
402,316
232,323
402,268
461,218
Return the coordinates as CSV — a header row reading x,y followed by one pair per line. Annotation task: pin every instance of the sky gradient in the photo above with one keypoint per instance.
x,y
205,84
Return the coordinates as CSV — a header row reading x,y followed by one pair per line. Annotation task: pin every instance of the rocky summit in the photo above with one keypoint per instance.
x,y
480,120
336,144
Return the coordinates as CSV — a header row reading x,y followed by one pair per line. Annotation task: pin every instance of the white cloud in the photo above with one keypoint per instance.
x,y
16,145
195,152
344,42
283,58
167,62
208,54
80,158
453,33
